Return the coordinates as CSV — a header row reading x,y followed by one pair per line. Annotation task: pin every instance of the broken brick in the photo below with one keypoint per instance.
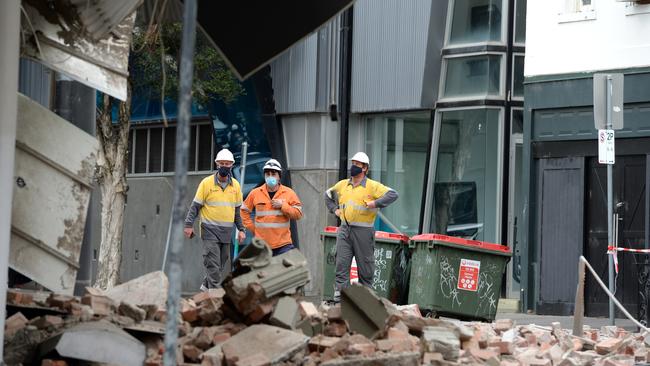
x,y
334,313
48,362
608,345
220,338
19,297
308,310
191,352
132,311
15,323
261,311
62,302
505,348
101,305
502,325
47,322
335,329
320,342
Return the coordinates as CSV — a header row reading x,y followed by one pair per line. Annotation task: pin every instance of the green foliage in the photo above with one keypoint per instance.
x,y
212,78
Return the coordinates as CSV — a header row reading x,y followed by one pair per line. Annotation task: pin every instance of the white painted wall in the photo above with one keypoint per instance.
x,y
618,37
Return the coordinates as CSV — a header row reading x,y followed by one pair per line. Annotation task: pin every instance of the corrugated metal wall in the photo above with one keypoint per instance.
x,y
35,81
396,54
302,75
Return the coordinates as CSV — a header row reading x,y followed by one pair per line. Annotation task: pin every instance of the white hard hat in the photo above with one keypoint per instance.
x,y
272,165
225,155
361,157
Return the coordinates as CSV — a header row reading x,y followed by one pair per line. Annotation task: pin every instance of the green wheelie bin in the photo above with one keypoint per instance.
x,y
457,277
391,261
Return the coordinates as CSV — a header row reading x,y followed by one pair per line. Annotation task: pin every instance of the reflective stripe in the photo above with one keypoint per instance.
x,y
364,224
217,223
220,203
271,225
298,207
354,206
268,213
245,208
198,201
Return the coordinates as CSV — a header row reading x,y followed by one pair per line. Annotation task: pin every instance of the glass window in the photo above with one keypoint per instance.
x,y
155,150
517,121
473,76
140,155
518,77
397,147
192,151
205,147
169,162
520,21
465,192
129,166
476,21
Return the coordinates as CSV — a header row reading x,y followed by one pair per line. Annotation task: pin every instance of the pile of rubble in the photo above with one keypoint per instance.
x,y
259,319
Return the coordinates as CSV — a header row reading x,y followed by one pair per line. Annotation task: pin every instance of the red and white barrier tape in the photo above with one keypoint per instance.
x,y
619,249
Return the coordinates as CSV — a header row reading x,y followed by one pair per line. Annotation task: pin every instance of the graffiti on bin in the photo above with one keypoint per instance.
x,y
448,282
331,255
381,262
486,290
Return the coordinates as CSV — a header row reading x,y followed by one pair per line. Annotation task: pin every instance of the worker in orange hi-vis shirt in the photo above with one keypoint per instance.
x,y
274,205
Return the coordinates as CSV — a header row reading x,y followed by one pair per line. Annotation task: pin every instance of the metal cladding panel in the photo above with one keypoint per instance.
x,y
390,48
35,81
294,77
55,163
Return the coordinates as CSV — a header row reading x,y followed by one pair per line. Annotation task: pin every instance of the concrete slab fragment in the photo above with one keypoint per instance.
x,y
276,343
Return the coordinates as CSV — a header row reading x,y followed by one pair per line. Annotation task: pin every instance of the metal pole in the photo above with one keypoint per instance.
x,y
9,44
180,178
610,207
242,176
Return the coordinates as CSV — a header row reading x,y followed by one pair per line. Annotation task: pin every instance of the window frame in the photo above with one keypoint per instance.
x,y
433,162
514,26
449,20
512,77
191,170
443,80
584,14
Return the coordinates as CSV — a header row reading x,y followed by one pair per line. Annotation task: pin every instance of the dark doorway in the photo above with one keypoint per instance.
x,y
629,195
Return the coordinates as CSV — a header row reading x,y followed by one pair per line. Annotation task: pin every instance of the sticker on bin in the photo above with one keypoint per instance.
x,y
354,274
468,274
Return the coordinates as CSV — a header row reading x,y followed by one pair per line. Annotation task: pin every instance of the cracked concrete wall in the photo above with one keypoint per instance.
x,y
310,185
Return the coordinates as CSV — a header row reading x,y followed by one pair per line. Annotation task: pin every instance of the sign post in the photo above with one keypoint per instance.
x,y
608,100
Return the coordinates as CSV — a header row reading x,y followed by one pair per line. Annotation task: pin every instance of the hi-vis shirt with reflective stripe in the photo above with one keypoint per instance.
x,y
271,224
217,208
352,200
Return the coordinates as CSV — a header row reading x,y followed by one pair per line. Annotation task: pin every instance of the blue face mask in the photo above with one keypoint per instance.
x,y
271,181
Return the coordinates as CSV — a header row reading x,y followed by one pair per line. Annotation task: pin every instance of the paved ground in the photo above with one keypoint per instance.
x,y
566,321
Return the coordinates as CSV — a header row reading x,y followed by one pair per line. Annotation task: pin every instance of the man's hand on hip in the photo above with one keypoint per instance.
x,y
241,236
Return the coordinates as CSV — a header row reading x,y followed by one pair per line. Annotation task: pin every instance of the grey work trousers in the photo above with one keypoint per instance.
x,y
216,261
358,242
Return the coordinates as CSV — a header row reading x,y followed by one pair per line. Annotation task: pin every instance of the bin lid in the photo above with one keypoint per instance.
x,y
392,236
461,241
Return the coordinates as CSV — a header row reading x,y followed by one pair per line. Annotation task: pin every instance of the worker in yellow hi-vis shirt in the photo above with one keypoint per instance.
x,y
356,202
218,200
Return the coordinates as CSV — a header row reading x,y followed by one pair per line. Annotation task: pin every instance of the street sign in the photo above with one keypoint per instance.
x,y
606,153
600,101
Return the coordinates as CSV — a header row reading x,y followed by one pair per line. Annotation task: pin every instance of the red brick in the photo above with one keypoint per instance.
x,y
190,314
320,343
363,349
62,302
335,329
191,352
47,321
210,294
15,323
261,311
531,339
505,348
608,345
101,305
220,338
48,362
482,354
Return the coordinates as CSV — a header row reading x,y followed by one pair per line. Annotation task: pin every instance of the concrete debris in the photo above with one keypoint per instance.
x,y
148,289
259,318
